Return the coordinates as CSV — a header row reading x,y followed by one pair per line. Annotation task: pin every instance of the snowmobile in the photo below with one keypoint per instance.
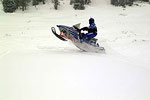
x,y
73,34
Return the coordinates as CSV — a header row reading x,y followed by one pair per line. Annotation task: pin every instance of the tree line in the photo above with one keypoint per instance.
x,y
125,2
12,5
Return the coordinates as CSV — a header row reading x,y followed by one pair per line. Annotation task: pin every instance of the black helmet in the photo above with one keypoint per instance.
x,y
91,20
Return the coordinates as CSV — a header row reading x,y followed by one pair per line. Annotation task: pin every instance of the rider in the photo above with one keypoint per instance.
x,y
92,30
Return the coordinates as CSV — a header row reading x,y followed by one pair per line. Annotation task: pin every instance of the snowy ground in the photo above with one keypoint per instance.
x,y
35,65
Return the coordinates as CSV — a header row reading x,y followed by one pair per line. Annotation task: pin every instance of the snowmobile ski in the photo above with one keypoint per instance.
x,y
58,36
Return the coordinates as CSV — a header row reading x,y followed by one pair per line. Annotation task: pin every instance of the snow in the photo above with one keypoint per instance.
x,y
35,65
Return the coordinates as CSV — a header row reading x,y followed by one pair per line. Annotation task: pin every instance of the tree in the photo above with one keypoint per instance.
x,y
146,0
56,3
114,2
87,1
122,2
79,4
41,1
9,5
17,3
35,2
80,1
23,4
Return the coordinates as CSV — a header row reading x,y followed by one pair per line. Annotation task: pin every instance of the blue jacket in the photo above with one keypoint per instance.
x,y
92,28
92,31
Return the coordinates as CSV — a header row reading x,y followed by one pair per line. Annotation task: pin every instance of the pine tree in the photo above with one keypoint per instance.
x,y
56,3
41,1
35,2
122,2
87,1
23,4
17,3
9,5
114,2
72,1
146,0
79,4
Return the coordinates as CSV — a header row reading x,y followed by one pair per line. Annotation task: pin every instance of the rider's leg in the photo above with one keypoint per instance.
x,y
91,35
88,36
84,37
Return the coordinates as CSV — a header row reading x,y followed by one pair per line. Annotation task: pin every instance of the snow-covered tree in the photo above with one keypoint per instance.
x,y
9,5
